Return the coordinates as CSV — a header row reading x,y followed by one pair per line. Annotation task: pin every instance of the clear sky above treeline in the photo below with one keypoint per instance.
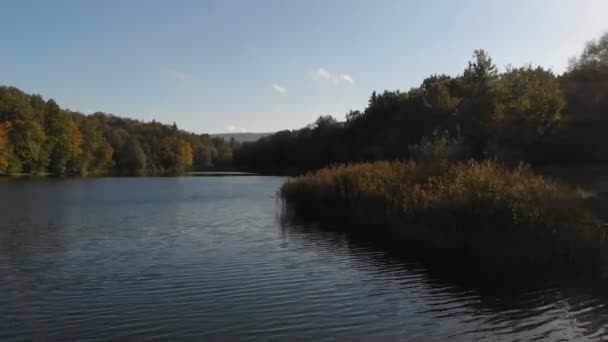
x,y
260,66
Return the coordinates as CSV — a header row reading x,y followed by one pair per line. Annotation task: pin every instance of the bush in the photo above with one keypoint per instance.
x,y
478,206
440,147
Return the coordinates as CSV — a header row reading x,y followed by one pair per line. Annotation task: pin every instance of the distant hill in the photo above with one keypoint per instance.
x,y
241,137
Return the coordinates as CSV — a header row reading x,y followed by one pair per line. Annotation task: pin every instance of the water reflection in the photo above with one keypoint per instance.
x,y
215,259
490,303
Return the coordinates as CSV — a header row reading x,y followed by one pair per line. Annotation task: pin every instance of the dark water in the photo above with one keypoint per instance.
x,y
208,259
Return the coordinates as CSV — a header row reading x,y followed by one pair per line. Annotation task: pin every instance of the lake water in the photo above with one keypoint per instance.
x,y
212,259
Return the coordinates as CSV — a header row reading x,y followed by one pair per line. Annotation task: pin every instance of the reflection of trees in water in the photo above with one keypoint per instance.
x,y
31,243
32,221
500,299
62,239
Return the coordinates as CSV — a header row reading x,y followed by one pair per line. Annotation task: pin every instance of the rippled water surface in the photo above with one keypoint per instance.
x,y
210,259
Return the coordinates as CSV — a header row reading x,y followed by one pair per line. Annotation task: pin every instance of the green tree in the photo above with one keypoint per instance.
x,y
586,82
131,158
6,150
64,141
438,95
96,157
477,111
203,157
594,55
27,133
531,103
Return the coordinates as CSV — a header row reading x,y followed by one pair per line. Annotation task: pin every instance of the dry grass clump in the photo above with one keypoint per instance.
x,y
476,205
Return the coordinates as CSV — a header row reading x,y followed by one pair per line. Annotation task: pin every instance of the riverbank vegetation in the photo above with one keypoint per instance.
x,y
39,137
478,207
442,164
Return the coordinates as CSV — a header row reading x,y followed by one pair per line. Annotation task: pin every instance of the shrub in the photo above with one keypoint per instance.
x,y
440,147
479,206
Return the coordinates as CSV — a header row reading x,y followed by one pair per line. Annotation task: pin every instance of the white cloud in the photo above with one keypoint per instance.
x,y
347,78
175,75
279,89
323,74
234,129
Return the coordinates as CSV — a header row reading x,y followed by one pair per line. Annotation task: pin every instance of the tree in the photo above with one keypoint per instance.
x,y
184,156
531,103
477,111
585,118
102,158
224,154
324,122
438,95
594,55
586,82
64,140
438,148
176,155
132,159
481,69
203,157
96,157
6,150
27,133
43,137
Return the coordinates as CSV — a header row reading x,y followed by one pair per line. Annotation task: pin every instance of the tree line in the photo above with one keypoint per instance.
x,y
37,136
520,114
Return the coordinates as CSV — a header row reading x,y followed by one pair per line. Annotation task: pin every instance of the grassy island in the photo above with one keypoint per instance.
x,y
480,207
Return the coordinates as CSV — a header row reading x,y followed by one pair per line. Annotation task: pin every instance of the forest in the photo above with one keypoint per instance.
x,y
520,114
446,164
39,137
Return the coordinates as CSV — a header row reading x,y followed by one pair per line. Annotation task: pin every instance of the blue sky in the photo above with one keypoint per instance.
x,y
218,66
